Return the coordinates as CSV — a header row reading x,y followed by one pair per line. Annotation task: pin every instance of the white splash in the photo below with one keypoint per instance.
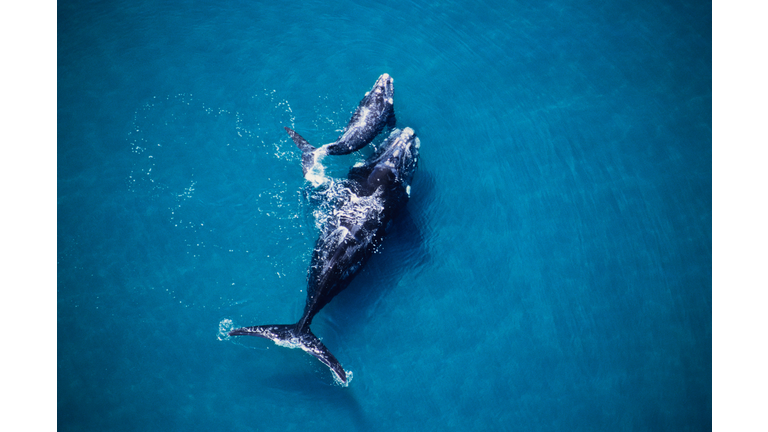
x,y
316,174
338,381
225,326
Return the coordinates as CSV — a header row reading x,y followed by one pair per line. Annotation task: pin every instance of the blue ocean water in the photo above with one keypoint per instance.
x,y
552,272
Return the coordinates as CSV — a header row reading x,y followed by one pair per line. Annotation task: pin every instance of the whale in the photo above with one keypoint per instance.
x,y
370,198
374,112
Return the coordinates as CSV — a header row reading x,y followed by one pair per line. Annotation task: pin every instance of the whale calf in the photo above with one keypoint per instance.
x,y
368,200
375,112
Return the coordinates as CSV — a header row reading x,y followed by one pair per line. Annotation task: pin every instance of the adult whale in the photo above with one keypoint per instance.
x,y
374,112
374,192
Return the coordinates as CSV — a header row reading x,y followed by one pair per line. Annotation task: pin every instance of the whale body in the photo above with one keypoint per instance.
x,y
368,200
375,112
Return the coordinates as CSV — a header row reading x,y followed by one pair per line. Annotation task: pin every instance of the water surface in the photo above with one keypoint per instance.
x,y
553,270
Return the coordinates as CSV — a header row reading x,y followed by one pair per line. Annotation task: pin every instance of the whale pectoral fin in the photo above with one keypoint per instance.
x,y
290,336
307,150
392,121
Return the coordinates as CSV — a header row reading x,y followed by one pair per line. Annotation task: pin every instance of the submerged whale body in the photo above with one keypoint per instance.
x,y
375,112
373,194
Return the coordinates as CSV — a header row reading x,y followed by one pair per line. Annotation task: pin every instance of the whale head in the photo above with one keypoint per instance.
x,y
384,89
394,164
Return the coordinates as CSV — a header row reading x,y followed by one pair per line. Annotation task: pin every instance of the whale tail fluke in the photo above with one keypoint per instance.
x,y
307,150
291,336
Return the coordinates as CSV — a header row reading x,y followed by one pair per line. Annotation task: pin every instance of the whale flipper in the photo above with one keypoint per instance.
x,y
307,150
392,120
292,337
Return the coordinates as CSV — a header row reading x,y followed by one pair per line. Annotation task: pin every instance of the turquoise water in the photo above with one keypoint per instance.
x,y
553,271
